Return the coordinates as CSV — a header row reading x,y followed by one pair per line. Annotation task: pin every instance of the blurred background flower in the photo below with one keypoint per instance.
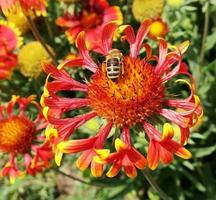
x,y
158,28
143,9
39,6
20,139
30,62
10,40
90,18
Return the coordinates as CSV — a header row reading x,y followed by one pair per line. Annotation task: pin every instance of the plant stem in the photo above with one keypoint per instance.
x,y
78,179
49,30
154,184
205,33
40,39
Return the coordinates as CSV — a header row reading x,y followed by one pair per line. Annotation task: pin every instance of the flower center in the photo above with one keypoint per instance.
x,y
16,134
90,19
135,96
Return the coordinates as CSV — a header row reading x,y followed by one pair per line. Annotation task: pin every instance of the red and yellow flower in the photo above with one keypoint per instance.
x,y
10,40
91,19
141,96
7,63
10,37
21,141
39,6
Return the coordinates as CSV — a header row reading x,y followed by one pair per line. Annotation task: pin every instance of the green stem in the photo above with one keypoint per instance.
x,y
205,33
154,184
49,30
78,179
40,39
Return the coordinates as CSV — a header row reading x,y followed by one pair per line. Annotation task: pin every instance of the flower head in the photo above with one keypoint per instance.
x,y
175,3
20,139
140,95
30,59
158,28
7,63
143,9
91,19
10,38
27,6
18,18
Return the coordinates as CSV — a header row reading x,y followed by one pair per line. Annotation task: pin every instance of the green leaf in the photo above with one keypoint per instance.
x,y
205,151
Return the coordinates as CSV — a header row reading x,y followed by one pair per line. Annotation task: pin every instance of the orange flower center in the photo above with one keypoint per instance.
x,y
16,134
90,19
135,96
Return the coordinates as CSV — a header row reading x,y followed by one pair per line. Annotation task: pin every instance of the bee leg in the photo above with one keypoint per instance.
x,y
104,67
122,69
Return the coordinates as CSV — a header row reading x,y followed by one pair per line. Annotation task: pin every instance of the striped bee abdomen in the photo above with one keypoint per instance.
x,y
113,68
114,64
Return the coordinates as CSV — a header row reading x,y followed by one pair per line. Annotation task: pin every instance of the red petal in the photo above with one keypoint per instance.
x,y
175,117
114,170
76,62
56,86
66,103
74,146
162,55
102,135
165,155
185,132
89,63
141,34
137,158
152,133
113,14
129,34
85,159
153,156
180,103
67,126
96,169
107,36
129,167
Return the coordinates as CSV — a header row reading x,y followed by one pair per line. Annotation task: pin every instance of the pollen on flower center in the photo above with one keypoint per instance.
x,y
136,95
16,134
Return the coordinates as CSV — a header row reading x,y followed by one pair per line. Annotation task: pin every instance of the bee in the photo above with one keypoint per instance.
x,y
114,65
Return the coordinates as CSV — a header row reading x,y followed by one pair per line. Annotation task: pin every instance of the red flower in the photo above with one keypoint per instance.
x,y
27,5
91,19
9,41
139,95
7,63
19,136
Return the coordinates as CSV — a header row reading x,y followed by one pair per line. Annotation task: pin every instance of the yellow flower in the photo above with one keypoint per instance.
x,y
30,59
17,17
175,3
143,9
158,28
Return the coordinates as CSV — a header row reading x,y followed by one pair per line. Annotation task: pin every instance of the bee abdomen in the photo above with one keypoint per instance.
x,y
113,72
